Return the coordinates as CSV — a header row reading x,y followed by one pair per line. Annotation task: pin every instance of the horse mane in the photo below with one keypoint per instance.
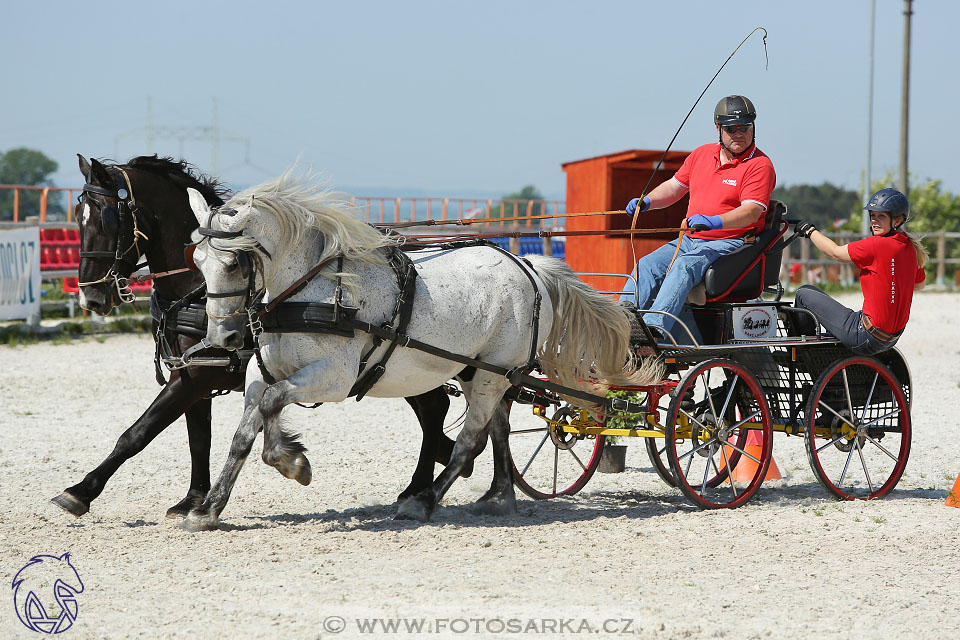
x,y
300,202
184,175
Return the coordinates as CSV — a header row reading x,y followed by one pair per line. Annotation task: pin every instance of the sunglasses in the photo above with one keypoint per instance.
x,y
733,128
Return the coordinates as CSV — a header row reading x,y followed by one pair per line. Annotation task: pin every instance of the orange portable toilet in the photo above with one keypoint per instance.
x,y
607,183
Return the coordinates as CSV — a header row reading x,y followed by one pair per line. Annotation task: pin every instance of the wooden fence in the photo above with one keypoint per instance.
x,y
803,264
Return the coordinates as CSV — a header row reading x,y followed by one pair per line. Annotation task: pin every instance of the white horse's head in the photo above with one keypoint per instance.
x,y
275,231
227,252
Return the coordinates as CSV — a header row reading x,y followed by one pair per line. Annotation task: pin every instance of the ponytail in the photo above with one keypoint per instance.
x,y
922,255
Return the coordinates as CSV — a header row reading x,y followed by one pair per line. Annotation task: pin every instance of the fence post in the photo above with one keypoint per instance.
x,y
941,256
514,241
16,204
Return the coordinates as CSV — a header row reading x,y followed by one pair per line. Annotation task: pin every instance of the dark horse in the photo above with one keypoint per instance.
x,y
141,208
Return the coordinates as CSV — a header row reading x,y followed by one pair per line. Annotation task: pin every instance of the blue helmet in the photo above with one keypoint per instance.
x,y
890,201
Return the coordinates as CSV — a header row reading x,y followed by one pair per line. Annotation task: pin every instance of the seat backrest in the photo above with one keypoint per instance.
x,y
743,275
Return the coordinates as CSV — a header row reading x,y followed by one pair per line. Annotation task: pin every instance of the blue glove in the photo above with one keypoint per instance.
x,y
700,222
632,205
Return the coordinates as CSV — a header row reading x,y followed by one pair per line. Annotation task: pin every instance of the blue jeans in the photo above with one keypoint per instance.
x,y
660,290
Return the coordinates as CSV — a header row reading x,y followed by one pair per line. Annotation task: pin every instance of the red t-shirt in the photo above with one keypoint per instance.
x,y
888,271
716,188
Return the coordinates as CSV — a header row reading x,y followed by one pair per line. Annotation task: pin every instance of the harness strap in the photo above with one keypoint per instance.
x,y
403,309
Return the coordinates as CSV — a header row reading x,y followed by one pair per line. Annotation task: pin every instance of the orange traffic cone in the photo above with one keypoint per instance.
x,y
746,467
953,496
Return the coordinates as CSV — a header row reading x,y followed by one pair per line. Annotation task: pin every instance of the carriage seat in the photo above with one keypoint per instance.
x,y
743,275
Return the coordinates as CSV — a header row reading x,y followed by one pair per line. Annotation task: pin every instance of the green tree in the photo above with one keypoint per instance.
x,y
823,205
522,198
23,166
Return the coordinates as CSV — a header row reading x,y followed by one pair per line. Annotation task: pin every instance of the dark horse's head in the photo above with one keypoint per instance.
x,y
120,214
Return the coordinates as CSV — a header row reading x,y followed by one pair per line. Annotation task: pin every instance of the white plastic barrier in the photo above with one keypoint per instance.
x,y
19,273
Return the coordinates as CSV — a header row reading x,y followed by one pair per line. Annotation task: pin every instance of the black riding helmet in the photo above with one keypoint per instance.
x,y
734,110
892,202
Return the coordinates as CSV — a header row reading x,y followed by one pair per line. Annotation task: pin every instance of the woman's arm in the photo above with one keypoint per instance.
x,y
830,248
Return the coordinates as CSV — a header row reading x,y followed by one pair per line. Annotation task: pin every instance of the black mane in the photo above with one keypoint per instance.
x,y
184,174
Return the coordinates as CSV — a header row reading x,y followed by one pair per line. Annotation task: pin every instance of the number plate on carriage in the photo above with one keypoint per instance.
x,y
751,323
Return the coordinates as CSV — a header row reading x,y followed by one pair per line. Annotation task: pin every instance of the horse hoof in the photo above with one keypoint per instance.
x,y
494,507
413,509
182,508
194,523
297,469
70,504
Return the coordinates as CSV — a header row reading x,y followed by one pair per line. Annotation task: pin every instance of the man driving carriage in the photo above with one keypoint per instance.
x,y
730,184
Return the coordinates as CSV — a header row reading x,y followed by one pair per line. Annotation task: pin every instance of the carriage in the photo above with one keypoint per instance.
x,y
708,426
740,370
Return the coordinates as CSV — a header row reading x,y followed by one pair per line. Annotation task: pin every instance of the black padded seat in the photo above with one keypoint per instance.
x,y
743,275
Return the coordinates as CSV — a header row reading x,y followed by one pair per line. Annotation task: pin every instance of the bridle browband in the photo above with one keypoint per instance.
x,y
112,223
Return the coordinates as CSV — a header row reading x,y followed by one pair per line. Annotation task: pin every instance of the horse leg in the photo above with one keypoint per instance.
x,y
206,516
281,449
483,396
500,499
198,434
431,409
169,405
317,381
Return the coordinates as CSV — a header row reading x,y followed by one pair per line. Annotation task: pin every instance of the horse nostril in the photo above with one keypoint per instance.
x,y
234,340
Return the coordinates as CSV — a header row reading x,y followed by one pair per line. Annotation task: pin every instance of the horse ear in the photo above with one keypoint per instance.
x,y
84,167
99,173
199,206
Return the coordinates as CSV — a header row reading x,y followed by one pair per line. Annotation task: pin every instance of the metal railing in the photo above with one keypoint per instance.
x,y
376,208
394,210
18,189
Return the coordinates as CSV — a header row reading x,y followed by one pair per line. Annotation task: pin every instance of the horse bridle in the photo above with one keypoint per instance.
x,y
112,219
245,261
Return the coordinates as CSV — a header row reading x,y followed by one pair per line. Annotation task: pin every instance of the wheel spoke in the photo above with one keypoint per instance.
x,y
745,420
881,447
514,432
863,463
866,405
742,451
706,473
726,465
726,401
695,449
534,454
846,388
846,465
830,409
834,441
883,417
556,463
577,458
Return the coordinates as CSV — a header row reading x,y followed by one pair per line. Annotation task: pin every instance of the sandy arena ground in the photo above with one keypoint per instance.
x,y
628,556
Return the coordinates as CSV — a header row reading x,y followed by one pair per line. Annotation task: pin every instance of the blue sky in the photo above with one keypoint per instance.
x,y
458,98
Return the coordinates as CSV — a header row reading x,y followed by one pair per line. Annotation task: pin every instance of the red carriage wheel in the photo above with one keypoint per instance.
x,y
547,461
857,429
713,410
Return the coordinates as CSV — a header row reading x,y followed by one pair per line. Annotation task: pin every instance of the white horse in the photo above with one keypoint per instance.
x,y
476,302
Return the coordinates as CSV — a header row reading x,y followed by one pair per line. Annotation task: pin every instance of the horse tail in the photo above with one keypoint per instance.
x,y
588,346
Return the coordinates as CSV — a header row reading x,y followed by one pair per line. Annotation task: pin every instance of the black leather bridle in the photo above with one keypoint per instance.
x,y
113,222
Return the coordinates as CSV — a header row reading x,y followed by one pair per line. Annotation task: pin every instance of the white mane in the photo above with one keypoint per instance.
x,y
296,204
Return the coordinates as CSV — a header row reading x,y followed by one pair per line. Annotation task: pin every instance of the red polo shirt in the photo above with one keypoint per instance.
x,y
718,188
888,271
